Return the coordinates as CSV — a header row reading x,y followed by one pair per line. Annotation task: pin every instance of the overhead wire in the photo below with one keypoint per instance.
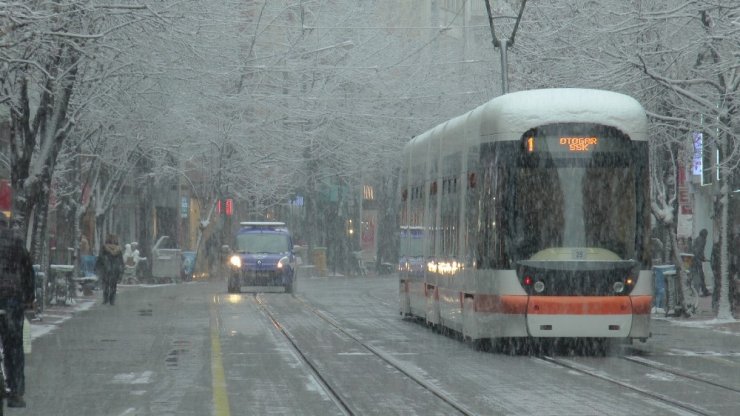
x,y
433,39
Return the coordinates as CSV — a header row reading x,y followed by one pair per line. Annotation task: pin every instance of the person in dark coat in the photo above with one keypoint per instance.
x,y
697,272
17,295
109,267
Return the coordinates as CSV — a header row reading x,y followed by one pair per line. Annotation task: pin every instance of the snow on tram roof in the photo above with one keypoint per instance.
x,y
520,111
508,116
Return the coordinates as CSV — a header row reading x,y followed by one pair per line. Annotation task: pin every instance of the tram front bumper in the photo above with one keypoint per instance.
x,y
579,316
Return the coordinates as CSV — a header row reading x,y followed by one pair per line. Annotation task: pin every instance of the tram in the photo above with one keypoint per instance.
x,y
535,216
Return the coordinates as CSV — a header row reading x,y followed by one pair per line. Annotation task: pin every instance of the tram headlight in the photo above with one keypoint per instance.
x,y
235,261
539,287
618,287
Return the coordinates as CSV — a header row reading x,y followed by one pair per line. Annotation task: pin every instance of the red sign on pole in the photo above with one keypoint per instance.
x,y
6,196
684,198
229,207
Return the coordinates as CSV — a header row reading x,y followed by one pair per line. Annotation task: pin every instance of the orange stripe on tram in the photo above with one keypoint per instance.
x,y
579,305
563,305
510,304
642,305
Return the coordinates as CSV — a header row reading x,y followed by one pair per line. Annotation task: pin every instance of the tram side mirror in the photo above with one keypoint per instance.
x,y
225,249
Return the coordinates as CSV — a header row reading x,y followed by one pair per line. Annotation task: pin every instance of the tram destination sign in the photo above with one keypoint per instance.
x,y
573,144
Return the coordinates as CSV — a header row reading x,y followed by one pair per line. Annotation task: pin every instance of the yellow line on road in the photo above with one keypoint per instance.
x,y
220,395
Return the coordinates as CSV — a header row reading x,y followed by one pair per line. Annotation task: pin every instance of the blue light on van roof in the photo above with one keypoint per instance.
x,y
262,224
262,227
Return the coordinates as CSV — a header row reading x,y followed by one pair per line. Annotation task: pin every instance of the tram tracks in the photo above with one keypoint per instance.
x,y
674,402
342,403
677,372
661,397
337,398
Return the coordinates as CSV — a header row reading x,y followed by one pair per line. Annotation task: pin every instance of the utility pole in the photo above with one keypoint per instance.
x,y
503,45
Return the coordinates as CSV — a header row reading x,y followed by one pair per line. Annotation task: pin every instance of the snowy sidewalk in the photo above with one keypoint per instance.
x,y
54,316
704,318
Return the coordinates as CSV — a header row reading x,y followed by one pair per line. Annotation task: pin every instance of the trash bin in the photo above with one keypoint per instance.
x,y
87,265
659,274
62,276
318,257
166,261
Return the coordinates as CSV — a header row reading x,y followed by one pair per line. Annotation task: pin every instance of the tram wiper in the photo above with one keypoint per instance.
x,y
585,265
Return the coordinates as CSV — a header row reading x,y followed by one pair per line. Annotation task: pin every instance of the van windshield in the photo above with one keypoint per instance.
x,y
262,243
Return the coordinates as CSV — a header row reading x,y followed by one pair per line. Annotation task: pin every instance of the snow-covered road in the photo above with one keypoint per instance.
x,y
193,349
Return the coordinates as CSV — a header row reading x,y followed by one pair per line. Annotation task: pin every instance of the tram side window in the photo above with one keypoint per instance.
x,y
449,205
489,249
469,185
471,215
416,206
416,195
450,216
485,220
432,205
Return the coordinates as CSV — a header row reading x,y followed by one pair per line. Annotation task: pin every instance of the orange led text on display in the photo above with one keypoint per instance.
x,y
579,144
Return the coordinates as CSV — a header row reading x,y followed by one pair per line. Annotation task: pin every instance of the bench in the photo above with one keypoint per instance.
x,y
63,284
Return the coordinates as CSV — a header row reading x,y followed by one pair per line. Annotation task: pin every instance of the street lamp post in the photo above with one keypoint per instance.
x,y
503,45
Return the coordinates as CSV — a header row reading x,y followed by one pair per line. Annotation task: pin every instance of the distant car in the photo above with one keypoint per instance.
x,y
263,255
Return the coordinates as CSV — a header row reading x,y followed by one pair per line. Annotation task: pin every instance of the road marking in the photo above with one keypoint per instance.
x,y
220,395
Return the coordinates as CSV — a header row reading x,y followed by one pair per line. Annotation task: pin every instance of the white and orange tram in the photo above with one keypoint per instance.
x,y
535,215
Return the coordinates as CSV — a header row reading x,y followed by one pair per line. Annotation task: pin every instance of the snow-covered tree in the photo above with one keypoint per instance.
x,y
702,76
55,59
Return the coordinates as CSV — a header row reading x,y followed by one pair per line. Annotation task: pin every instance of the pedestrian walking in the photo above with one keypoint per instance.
x,y
17,293
697,271
109,267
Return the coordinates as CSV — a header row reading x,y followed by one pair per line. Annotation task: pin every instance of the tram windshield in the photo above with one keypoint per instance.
x,y
572,186
579,191
574,207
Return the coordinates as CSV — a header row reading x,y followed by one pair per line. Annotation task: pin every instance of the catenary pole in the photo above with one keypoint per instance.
x,y
505,44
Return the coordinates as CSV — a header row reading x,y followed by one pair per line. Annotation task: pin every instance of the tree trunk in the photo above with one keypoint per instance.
x,y
724,311
678,263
